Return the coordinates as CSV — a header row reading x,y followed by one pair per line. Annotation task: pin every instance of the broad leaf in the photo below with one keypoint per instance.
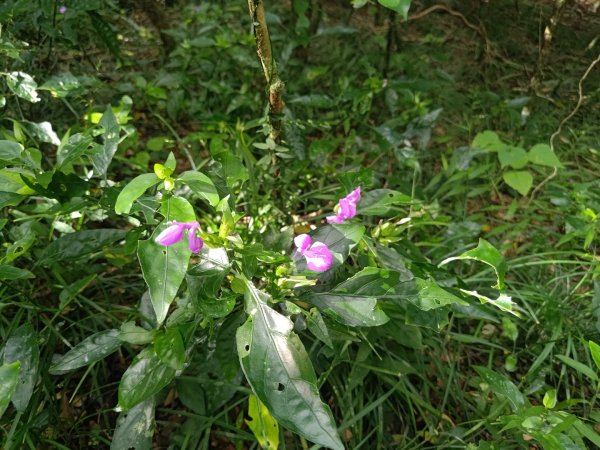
x,y
318,327
131,333
80,244
62,84
595,351
10,150
177,208
487,140
503,302
515,157
400,6
542,155
76,147
93,348
382,202
23,85
521,180
280,373
104,154
200,185
42,132
8,272
339,238
9,377
134,190
146,376
170,349
500,385
163,268
262,424
487,254
22,346
135,428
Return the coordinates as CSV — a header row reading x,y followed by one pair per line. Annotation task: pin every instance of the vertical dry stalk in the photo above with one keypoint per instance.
x,y
265,54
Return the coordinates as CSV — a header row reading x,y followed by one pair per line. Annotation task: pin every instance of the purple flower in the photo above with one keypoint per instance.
x,y
62,9
174,233
346,207
318,256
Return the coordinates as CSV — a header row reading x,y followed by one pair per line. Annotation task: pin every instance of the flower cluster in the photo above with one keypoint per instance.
x,y
317,254
174,233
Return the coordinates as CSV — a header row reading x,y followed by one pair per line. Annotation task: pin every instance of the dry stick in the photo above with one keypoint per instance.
x,y
563,122
274,83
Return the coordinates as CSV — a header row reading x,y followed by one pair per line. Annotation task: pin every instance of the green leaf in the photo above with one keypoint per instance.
x,y
515,157
102,157
23,85
8,272
135,428
264,427
579,367
134,190
42,132
381,202
317,326
104,33
280,372
400,6
93,348
339,238
595,351
503,302
163,268
488,140
487,254
550,399
542,155
521,181
131,333
146,376
177,208
10,150
22,346
9,377
62,85
502,386
200,185
170,349
80,244
76,147
162,172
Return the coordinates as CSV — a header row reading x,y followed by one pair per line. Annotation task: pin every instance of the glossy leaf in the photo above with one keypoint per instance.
x,y
8,272
62,85
400,6
102,157
131,333
502,386
487,254
10,150
146,376
134,190
9,377
595,351
170,349
521,180
42,132
542,155
163,268
177,208
503,302
77,146
280,373
318,327
23,85
80,244
93,348
201,185
22,346
381,202
135,427
264,427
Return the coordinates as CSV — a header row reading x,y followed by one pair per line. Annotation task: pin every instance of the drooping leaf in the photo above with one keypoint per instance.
x,y
502,386
9,377
146,376
264,427
134,190
93,348
520,180
201,185
487,254
22,346
74,246
280,373
135,427
542,155
163,268
23,85
170,349
103,155
400,6
381,202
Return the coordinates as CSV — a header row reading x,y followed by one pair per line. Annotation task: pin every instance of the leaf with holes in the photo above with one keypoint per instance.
x,y
134,190
22,346
264,427
279,371
135,427
487,254
93,348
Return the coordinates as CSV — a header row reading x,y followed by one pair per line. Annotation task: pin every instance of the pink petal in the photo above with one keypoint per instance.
x,y
172,234
334,219
354,196
318,257
195,242
347,209
302,242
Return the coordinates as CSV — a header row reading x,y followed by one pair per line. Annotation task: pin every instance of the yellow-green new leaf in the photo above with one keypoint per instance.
x,y
264,427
